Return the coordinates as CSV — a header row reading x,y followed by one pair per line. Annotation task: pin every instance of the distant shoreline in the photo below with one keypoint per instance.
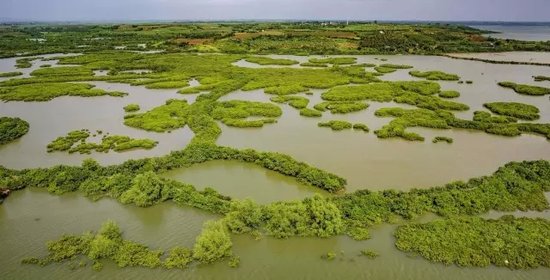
x,y
115,21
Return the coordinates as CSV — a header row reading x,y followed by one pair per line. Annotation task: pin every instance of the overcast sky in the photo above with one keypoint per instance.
x,y
117,10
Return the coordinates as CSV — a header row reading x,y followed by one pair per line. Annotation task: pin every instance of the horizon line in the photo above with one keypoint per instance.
x,y
115,21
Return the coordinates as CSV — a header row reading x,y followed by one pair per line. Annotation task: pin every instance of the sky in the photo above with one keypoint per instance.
x,y
121,10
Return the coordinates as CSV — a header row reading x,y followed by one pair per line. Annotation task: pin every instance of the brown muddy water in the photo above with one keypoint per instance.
x,y
31,217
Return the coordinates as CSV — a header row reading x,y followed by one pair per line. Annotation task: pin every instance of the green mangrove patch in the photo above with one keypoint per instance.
x,y
416,93
236,113
525,89
441,119
333,60
435,75
297,102
75,141
131,108
516,243
449,94
307,112
341,107
172,115
107,244
541,78
49,91
514,109
12,129
10,74
336,125
263,60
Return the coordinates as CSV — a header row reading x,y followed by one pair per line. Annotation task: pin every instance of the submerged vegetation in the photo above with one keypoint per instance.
x,y
75,141
12,129
438,139
516,243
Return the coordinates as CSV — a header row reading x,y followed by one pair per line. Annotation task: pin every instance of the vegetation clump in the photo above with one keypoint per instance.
x,y
438,139
516,243
309,64
75,141
214,243
485,117
361,126
12,128
514,109
297,102
384,70
178,257
24,62
329,256
441,119
315,217
236,112
49,91
167,117
333,60
449,94
410,118
541,78
341,107
263,60
369,254
131,108
234,262
10,74
525,89
336,125
307,112
417,93
106,244
435,75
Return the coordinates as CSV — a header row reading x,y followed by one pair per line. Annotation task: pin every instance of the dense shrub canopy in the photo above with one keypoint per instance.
x,y
12,128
